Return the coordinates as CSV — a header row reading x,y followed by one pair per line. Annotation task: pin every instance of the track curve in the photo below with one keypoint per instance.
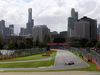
x,y
62,57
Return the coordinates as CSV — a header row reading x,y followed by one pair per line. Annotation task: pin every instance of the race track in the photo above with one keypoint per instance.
x,y
62,57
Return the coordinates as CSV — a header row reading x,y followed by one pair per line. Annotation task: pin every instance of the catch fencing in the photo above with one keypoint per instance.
x,y
89,55
7,54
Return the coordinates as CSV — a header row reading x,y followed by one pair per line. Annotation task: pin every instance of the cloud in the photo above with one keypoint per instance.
x,y
53,13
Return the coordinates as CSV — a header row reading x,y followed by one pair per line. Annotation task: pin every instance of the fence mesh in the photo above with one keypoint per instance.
x,y
92,54
11,53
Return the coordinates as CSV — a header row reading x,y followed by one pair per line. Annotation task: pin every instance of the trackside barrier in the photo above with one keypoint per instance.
x,y
46,55
57,49
90,56
9,54
95,58
33,54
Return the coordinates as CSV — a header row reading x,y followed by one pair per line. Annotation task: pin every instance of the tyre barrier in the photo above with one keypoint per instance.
x,y
5,58
45,55
48,53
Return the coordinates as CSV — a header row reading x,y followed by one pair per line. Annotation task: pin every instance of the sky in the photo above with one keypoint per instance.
x,y
53,13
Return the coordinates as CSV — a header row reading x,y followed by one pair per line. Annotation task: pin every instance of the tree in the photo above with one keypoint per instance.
x,y
1,45
89,44
75,44
1,42
42,45
94,41
47,39
59,40
13,44
28,43
98,45
16,45
22,45
37,41
83,42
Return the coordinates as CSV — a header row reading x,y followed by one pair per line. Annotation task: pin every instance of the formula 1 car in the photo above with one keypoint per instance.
x,y
69,63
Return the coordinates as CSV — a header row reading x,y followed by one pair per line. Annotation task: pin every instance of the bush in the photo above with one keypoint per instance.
x,y
89,44
98,45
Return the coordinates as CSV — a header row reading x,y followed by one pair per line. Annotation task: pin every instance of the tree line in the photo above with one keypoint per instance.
x,y
85,43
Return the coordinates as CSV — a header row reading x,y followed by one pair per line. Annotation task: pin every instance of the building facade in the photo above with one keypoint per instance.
x,y
6,31
30,23
93,26
71,20
40,31
2,27
22,31
98,31
82,29
11,30
64,34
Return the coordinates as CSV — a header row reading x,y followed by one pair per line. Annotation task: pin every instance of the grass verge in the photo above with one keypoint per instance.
x,y
39,56
28,64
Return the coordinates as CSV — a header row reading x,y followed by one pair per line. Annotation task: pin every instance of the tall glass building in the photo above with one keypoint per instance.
x,y
29,14
30,23
71,21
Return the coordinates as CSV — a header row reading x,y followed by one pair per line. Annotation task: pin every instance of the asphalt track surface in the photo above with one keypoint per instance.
x,y
62,57
52,73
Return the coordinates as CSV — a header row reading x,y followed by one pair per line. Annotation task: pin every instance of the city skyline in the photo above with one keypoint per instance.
x,y
55,16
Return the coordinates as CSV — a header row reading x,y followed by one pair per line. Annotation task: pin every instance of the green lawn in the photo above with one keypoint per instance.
x,y
39,56
28,64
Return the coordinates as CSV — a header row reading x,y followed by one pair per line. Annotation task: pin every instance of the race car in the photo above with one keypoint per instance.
x,y
69,63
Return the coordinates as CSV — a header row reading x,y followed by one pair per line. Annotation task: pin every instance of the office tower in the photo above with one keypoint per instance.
x,y
23,32
30,23
98,31
74,14
29,14
2,27
82,29
11,30
64,34
41,31
7,31
93,26
71,20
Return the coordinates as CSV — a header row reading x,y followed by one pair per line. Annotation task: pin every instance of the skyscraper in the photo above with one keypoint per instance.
x,y
93,26
41,31
71,20
30,23
2,27
29,14
99,30
82,29
11,29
